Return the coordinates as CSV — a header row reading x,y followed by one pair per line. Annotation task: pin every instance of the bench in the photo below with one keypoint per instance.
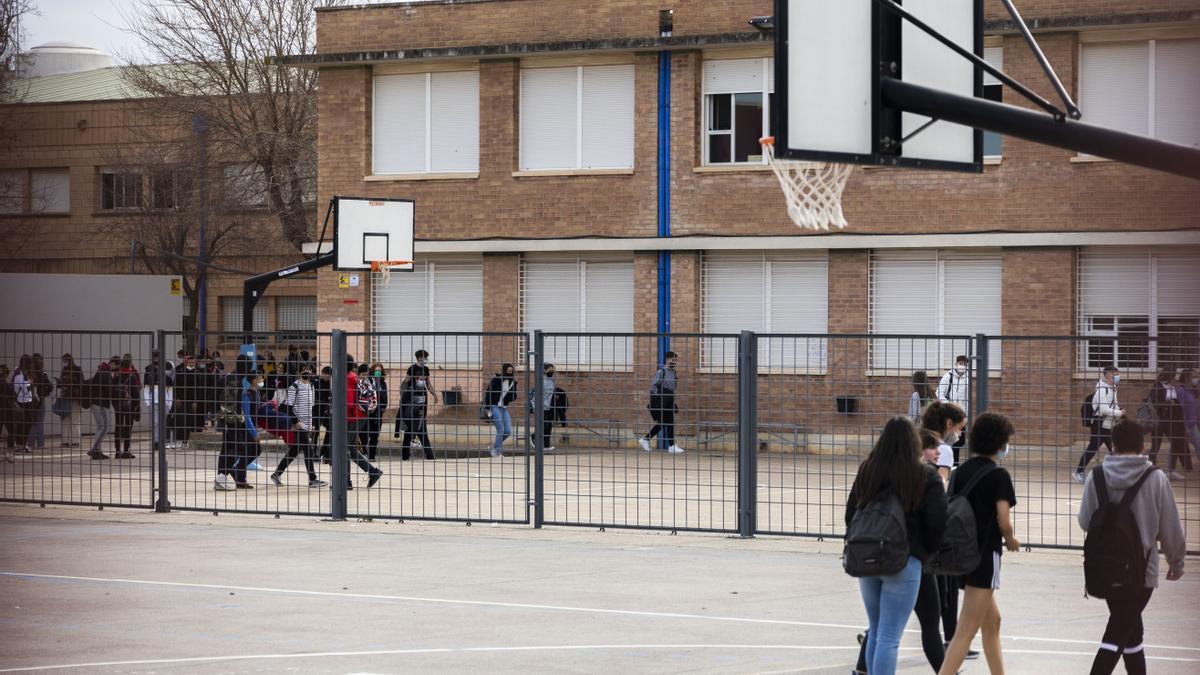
x,y
709,433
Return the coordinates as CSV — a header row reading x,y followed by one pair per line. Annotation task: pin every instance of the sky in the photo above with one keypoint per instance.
x,y
95,23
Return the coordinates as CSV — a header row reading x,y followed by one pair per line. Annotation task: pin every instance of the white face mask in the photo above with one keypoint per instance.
x,y
1003,453
1116,379
420,384
960,369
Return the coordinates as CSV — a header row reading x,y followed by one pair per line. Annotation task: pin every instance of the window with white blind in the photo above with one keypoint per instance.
x,y
932,293
1141,306
737,109
576,294
579,117
426,123
440,295
1146,87
231,315
993,90
767,292
50,191
296,318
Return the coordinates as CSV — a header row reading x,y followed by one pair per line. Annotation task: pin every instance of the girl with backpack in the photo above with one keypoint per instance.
x,y
1153,509
893,481
412,415
127,389
1164,396
991,497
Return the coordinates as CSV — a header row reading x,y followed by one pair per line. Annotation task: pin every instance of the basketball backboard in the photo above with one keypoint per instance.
x,y
372,229
830,56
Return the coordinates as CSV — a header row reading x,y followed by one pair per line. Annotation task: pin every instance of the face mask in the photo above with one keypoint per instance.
x,y
257,385
951,438
1003,453
421,361
508,374
305,376
379,373
420,384
1116,379
960,369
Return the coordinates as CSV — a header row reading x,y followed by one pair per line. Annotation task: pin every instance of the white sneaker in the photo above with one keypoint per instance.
x,y
548,449
1078,476
645,444
1174,475
675,450
222,484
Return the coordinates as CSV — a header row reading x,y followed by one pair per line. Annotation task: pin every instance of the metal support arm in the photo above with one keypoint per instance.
x,y
253,288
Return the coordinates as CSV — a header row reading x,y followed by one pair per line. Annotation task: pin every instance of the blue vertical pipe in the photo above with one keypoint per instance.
x,y
664,200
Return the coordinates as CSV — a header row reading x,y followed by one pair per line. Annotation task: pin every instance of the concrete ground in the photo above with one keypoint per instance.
x,y
126,591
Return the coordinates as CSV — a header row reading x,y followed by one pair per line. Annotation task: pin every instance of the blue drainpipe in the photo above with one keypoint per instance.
x,y
664,200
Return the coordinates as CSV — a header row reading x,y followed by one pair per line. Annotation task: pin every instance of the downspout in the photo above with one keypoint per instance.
x,y
664,200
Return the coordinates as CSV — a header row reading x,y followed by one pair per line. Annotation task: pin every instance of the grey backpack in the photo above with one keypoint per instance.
x,y
877,539
959,553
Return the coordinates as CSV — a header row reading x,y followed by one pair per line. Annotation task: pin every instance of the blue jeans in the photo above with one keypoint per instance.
x,y
889,601
502,420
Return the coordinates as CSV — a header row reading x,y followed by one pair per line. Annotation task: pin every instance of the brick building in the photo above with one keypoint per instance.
x,y
80,163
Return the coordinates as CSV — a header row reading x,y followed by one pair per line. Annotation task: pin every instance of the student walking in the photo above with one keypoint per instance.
x,y
1189,403
1165,399
150,382
1105,413
377,379
955,387
421,367
501,391
70,389
893,473
355,421
25,395
236,426
127,406
662,406
991,501
549,388
298,404
321,411
43,388
188,410
100,394
1153,509
412,416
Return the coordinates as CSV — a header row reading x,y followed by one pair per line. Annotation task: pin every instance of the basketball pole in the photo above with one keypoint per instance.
x,y
1041,128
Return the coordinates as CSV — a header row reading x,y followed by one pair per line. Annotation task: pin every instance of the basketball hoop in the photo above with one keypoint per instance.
x,y
813,189
384,267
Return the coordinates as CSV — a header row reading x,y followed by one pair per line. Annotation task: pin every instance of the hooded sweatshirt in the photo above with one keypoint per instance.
x,y
1153,508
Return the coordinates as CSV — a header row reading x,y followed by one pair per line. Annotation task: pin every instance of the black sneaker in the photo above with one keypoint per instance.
x,y
971,653
245,486
126,455
375,476
96,454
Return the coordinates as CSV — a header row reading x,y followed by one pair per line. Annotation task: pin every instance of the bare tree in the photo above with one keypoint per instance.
x,y
210,61
12,35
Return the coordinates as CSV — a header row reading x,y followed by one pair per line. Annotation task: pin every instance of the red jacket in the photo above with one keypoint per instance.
x,y
352,411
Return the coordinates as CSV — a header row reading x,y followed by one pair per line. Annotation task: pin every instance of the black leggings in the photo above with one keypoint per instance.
x,y
302,444
22,422
928,611
124,430
1124,634
370,436
948,593
664,422
1099,436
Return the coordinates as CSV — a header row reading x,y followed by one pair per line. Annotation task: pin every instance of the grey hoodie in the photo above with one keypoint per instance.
x,y
1153,508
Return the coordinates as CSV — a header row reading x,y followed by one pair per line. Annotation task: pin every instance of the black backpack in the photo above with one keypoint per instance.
x,y
959,553
1113,557
1087,413
877,539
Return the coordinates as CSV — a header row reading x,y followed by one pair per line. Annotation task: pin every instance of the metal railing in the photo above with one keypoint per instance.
x,y
768,429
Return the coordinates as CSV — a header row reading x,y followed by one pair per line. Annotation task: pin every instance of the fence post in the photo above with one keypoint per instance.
x,y
162,504
539,421
747,442
337,425
981,374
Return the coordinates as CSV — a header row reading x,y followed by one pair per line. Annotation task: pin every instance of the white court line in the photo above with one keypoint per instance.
x,y
519,605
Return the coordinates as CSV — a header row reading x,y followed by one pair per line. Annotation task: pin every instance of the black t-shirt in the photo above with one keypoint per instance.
x,y
995,486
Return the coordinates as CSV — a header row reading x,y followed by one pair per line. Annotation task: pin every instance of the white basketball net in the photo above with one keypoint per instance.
x,y
813,189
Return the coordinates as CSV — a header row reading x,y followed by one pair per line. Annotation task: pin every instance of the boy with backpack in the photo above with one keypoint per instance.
x,y
1127,507
1100,412
989,491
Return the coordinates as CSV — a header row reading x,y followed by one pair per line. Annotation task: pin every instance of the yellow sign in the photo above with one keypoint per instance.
x,y
176,287
343,281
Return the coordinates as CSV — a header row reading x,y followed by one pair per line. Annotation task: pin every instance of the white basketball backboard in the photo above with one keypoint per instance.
x,y
370,229
829,58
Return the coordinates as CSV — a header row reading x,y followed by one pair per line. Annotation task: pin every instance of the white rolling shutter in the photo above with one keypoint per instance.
x,y
731,76
1177,283
608,308
296,313
399,124
732,301
1113,282
1177,91
1114,85
995,58
454,123
50,191
549,118
971,303
231,315
570,294
904,300
440,295
607,117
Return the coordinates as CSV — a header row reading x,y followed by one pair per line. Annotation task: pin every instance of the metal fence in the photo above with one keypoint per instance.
x,y
751,433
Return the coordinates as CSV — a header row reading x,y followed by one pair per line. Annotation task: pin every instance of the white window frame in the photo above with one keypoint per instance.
x,y
232,332
127,186
816,362
1151,321
767,90
288,308
429,124
579,164
600,341
946,349
458,352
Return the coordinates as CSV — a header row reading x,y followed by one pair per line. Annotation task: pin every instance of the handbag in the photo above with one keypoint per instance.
x,y
61,407
485,412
